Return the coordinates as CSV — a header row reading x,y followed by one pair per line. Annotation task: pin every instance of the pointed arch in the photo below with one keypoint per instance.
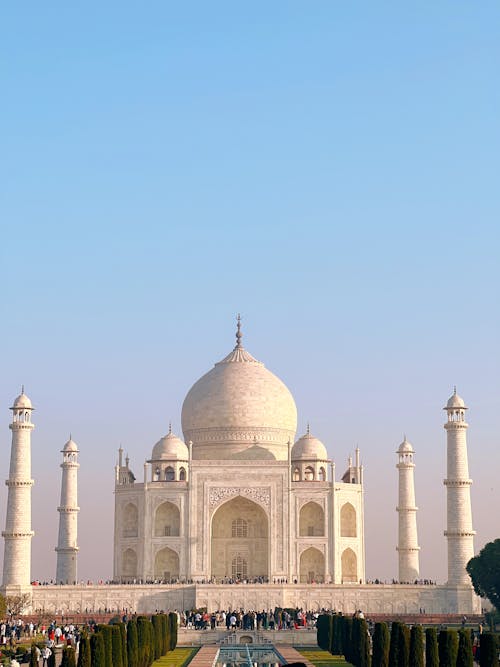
x,y
240,530
311,520
166,564
130,522
167,520
129,564
312,566
348,521
349,566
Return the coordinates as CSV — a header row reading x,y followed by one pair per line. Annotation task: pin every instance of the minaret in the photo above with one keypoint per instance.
x,y
459,531
407,548
18,533
67,549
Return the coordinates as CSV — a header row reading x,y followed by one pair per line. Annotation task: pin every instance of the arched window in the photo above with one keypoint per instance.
x,y
182,475
239,528
167,521
309,473
311,520
157,474
349,567
347,521
296,475
322,475
239,567
169,474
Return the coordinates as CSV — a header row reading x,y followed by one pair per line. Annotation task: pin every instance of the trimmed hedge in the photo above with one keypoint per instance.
x,y
431,648
381,639
417,646
448,648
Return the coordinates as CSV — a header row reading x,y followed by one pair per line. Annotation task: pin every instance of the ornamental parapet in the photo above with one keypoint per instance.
x,y
21,426
459,533
11,536
407,548
19,482
457,482
68,550
65,508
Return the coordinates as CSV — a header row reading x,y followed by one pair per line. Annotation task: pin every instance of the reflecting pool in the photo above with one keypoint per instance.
x,y
248,655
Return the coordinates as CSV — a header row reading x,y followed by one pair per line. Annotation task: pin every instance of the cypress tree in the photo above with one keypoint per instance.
x,y
173,629
84,651
132,645
394,645
123,637
417,646
33,658
107,636
448,648
97,658
431,648
488,651
404,646
347,638
116,646
158,632
464,657
364,652
380,657
323,625
68,657
356,642
143,641
165,637
336,646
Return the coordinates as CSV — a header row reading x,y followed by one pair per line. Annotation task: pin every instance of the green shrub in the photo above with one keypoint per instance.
x,y
488,650
132,645
173,629
84,651
165,646
464,657
404,646
380,657
106,632
431,648
336,635
347,638
417,646
116,646
448,648
123,637
68,657
158,634
323,629
97,657
144,641
394,645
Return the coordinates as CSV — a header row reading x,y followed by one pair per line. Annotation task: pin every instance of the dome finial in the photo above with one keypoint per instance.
x,y
454,390
239,335
170,428
308,430
22,389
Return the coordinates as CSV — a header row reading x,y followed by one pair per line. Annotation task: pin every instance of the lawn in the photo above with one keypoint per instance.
x,y
321,658
176,658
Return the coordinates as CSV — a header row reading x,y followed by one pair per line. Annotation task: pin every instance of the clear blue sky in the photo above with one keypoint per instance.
x,y
330,170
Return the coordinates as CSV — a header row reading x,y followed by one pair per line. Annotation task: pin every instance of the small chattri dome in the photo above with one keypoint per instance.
x,y
455,401
170,447
309,448
70,446
22,401
405,447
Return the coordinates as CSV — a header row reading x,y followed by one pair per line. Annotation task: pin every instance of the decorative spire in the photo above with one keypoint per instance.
x,y
70,436
308,430
22,389
455,390
170,428
239,335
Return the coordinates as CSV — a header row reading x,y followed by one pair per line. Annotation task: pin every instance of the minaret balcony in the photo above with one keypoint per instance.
x,y
457,482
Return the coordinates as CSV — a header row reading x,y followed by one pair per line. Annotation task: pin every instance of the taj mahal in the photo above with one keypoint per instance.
x,y
240,512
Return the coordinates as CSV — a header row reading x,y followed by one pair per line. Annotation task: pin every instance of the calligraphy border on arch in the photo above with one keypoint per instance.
x,y
259,494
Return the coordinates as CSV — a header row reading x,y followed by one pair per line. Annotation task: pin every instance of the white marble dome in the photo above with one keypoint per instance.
x,y
455,401
70,446
22,401
170,448
235,404
309,448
